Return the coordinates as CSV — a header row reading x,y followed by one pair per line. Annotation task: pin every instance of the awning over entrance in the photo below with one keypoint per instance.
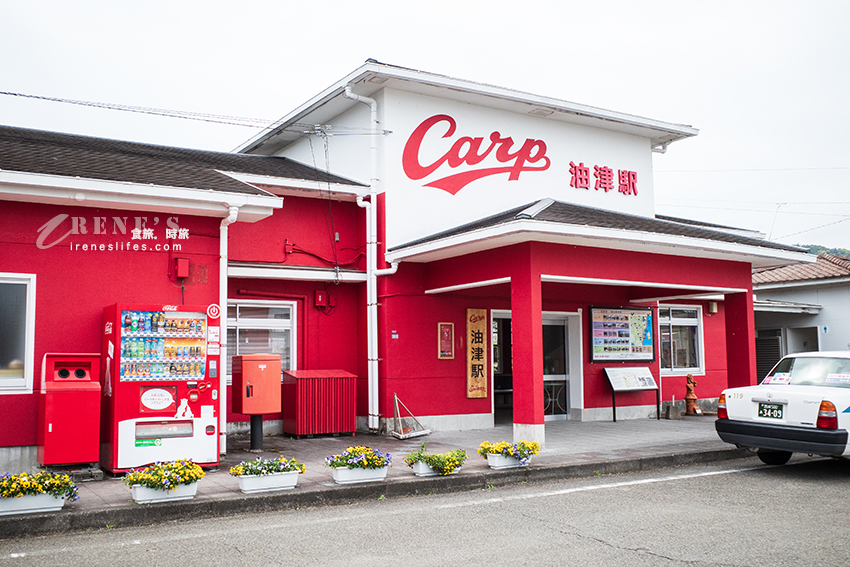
x,y
551,256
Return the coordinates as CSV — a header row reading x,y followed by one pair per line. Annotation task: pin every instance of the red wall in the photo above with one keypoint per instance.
x,y
73,286
308,225
429,386
325,340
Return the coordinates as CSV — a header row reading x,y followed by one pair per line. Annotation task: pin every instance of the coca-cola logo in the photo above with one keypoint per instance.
x,y
470,152
169,308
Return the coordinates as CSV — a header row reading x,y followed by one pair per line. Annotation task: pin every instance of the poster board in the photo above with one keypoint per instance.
x,y
445,341
622,334
476,353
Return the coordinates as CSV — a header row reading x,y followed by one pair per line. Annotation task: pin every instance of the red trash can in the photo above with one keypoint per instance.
x,y
69,409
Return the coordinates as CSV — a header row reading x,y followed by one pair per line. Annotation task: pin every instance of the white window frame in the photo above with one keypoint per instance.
x,y
698,321
274,324
23,385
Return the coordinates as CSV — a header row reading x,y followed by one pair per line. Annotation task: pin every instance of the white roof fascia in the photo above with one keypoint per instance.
x,y
297,274
364,78
301,186
78,191
470,285
688,297
595,237
803,283
702,289
797,308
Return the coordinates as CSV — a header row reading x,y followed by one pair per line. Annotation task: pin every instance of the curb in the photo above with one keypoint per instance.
x,y
329,495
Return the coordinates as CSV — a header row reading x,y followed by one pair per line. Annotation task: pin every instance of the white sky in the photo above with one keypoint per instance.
x,y
766,83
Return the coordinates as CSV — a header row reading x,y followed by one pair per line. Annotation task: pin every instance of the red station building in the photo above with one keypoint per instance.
x,y
484,254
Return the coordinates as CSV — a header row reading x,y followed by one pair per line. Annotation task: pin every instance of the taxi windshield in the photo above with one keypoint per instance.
x,y
812,371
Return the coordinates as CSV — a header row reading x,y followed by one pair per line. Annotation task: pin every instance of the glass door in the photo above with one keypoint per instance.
x,y
556,383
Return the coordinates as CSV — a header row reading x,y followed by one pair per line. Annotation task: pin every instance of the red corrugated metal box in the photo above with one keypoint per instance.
x,y
318,401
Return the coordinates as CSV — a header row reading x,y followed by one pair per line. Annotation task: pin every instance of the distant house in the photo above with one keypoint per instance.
x,y
803,307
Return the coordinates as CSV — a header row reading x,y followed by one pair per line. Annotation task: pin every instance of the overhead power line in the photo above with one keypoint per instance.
x,y
262,123
218,119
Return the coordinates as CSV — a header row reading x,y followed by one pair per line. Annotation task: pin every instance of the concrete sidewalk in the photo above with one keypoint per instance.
x,y
572,449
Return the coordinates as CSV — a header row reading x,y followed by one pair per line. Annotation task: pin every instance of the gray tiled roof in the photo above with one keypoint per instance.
x,y
577,215
53,153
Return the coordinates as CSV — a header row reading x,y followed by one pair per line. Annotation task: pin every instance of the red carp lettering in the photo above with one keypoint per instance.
x,y
467,150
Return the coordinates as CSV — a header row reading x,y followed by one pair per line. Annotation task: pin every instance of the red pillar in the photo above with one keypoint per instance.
x,y
740,340
527,331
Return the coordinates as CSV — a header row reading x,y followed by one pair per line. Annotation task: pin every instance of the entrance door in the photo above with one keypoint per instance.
x,y
556,373
556,383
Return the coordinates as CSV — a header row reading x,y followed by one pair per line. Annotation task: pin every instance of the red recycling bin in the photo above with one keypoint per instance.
x,y
69,409
318,401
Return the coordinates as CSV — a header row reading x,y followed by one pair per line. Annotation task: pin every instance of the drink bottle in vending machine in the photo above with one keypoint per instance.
x,y
160,391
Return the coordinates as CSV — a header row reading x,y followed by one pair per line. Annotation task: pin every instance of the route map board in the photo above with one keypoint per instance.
x,y
622,334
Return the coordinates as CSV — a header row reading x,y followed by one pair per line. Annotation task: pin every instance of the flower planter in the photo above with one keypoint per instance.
x,y
145,495
424,469
501,462
31,504
343,475
268,482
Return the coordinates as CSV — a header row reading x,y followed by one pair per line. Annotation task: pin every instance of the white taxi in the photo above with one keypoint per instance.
x,y
802,406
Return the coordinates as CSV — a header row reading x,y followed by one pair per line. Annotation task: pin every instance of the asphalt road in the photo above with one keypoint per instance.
x,y
730,513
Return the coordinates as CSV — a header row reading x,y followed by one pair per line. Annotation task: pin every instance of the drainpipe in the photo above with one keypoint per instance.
x,y
372,271
233,212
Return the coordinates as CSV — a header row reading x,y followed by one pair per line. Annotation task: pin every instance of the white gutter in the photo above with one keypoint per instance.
x,y
372,271
820,282
97,193
294,274
233,212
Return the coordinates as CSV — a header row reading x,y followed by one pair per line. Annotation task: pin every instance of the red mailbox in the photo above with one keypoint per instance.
x,y
69,409
256,384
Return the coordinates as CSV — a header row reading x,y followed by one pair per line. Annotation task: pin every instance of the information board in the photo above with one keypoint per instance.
x,y
622,334
631,379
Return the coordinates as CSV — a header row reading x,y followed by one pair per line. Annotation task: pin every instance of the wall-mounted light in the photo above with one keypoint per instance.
x,y
712,307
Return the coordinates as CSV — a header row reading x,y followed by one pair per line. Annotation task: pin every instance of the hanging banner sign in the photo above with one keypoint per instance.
x,y
476,353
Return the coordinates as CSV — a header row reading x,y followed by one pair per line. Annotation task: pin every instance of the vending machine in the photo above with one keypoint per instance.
x,y
160,385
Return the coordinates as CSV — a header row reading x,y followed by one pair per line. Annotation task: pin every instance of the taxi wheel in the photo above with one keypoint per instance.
x,y
774,457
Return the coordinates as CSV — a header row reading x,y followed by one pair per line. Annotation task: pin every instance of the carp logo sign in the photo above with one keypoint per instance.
x,y
469,151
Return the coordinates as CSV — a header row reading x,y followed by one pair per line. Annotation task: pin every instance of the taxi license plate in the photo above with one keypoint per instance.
x,y
773,411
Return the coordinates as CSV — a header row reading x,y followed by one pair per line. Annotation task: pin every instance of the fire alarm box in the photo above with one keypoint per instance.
x,y
256,384
69,409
